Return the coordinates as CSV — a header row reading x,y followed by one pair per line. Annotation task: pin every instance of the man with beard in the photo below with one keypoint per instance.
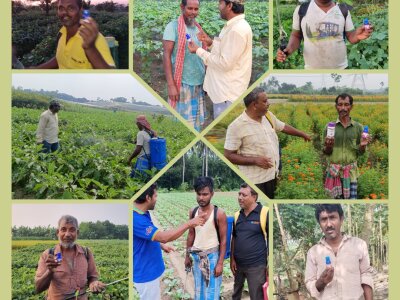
x,y
206,244
68,268
252,142
185,71
323,24
229,62
148,240
342,150
80,44
338,265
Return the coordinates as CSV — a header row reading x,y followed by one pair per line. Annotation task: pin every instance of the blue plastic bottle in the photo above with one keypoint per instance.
x,y
365,133
85,14
188,37
59,257
366,24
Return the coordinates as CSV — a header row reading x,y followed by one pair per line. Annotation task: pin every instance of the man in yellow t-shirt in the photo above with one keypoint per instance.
x,y
80,44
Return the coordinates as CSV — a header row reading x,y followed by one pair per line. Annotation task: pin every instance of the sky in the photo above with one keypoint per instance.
x,y
48,214
90,86
372,81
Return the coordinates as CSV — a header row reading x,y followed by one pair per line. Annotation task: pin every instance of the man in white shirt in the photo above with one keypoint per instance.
x,y
323,24
252,143
229,62
47,132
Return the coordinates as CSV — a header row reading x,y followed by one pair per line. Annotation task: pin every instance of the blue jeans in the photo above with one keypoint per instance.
x,y
201,291
220,107
47,147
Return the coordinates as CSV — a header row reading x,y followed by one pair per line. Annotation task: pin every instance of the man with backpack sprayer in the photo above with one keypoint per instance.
x,y
324,25
206,244
67,268
249,246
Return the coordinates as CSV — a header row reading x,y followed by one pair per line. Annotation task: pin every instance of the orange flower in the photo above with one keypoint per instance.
x,y
289,161
373,196
296,166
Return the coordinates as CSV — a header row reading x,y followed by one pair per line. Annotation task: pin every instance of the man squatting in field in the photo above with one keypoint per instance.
x,y
80,44
338,265
325,26
74,272
229,62
47,132
206,244
249,246
252,143
185,83
343,150
148,240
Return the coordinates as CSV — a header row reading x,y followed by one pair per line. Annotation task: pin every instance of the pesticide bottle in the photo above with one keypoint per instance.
x,y
59,257
188,37
85,14
330,133
366,24
365,133
328,262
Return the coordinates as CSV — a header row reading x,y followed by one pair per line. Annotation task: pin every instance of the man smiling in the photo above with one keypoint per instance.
x,y
348,274
73,271
80,44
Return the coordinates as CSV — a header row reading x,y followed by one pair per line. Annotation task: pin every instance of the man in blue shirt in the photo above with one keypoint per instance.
x,y
148,240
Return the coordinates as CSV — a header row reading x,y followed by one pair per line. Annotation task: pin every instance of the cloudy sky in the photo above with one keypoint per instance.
x,y
372,81
90,86
48,214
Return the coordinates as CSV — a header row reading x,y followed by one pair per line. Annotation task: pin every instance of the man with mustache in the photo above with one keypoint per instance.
x,y
342,151
338,266
80,44
185,71
249,246
73,271
323,24
206,244
252,142
229,62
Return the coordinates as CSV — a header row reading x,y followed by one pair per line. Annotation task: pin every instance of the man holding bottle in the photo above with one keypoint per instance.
x,y
342,149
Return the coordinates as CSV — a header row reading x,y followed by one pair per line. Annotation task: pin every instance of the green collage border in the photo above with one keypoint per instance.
x,y
5,151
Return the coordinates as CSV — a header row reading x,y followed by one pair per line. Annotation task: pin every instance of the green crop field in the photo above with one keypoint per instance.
x,y
172,209
92,162
151,18
112,261
303,169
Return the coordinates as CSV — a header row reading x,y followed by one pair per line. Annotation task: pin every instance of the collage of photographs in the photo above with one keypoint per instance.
x,y
224,149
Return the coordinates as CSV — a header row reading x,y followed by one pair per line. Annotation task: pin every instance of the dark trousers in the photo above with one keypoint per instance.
x,y
268,188
47,147
256,277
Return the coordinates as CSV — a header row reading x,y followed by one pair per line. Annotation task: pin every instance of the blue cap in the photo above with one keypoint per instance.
x,y
59,256
327,260
365,129
188,36
85,14
366,21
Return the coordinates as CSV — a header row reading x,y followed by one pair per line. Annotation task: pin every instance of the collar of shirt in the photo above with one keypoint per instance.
x,y
323,241
234,19
352,122
257,210
78,249
140,212
247,118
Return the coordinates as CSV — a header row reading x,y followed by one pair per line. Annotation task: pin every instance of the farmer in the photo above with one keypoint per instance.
x,y
148,240
75,271
80,44
338,265
249,251
252,143
142,149
229,62
322,24
342,151
47,132
206,244
185,71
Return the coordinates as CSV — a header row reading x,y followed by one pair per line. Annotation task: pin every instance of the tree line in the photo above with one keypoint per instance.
x,y
87,230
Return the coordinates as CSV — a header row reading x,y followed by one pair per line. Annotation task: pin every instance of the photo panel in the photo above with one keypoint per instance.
x,y
90,243
279,140
232,38
88,136
331,35
70,34
199,187
348,243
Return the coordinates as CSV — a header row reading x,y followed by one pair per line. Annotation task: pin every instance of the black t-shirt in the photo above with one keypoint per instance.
x,y
250,245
